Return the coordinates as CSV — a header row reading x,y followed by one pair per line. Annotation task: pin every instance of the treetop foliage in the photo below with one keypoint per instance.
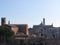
x,y
6,31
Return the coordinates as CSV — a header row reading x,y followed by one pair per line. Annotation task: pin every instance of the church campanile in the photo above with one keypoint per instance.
x,y
43,21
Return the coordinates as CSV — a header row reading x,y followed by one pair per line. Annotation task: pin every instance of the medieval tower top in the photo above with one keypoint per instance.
x,y
43,21
3,21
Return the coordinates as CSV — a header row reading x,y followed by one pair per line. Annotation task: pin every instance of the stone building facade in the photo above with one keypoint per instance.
x,y
17,28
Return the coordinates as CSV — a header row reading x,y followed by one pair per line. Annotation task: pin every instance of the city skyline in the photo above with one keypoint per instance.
x,y
31,12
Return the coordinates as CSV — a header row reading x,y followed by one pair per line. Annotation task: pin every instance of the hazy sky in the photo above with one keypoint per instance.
x,y
31,12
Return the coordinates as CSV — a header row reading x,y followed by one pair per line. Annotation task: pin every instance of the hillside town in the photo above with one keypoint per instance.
x,y
45,31
41,34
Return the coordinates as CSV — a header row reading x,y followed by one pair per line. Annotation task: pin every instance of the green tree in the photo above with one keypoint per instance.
x,y
5,34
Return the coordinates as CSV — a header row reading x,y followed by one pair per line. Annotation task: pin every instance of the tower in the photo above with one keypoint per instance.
x,y
43,21
3,21
8,22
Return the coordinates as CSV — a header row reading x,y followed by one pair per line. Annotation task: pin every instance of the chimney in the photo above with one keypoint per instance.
x,y
3,21
43,21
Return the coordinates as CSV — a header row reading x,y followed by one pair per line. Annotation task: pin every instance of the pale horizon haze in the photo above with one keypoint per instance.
x,y
31,12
